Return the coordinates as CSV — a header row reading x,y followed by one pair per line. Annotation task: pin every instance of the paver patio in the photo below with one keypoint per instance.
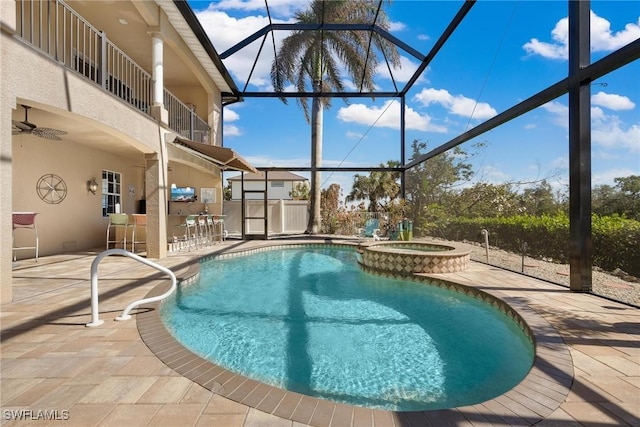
x,y
54,366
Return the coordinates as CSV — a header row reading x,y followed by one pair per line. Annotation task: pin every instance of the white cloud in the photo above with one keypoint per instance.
x,y
560,163
231,130
396,26
456,104
354,135
607,130
261,160
597,113
602,38
530,126
388,115
612,101
226,31
277,7
230,115
559,113
607,177
266,161
423,37
402,74
492,174
612,135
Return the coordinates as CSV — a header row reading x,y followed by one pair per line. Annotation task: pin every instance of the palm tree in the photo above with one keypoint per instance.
x,y
312,59
378,187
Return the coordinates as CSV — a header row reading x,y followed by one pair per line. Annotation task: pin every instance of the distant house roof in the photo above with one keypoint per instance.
x,y
271,176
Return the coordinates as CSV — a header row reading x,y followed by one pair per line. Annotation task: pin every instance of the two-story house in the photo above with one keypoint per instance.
x,y
105,105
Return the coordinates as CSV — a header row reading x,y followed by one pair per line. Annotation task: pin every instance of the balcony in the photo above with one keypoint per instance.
x,y
75,41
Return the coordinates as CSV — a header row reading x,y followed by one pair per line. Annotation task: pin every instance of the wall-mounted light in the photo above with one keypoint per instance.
x,y
92,186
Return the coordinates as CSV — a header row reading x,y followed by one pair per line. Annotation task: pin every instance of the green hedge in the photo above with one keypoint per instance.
x,y
615,240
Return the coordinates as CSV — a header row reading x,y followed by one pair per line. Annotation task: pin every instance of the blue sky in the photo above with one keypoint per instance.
x,y
502,53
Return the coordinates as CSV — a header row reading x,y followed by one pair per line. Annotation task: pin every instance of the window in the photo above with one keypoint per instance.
x,y
279,184
111,192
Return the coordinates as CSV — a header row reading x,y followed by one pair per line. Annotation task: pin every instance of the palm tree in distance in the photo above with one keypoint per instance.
x,y
312,59
378,188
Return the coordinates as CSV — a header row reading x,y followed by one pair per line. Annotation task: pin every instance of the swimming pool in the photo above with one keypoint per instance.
x,y
309,320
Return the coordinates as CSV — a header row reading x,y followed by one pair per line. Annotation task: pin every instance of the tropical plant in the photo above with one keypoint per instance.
x,y
314,59
622,199
300,192
330,204
377,187
226,191
430,183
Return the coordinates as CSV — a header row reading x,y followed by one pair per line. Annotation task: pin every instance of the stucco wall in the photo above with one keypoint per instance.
x,y
76,223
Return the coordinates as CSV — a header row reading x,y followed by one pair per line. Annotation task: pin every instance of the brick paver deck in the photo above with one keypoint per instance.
x,y
587,368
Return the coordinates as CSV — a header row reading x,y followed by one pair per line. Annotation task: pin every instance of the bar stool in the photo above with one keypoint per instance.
x,y
190,234
25,220
203,229
118,223
211,228
139,221
218,222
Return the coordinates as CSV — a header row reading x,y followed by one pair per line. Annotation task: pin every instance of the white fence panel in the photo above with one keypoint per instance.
x,y
283,217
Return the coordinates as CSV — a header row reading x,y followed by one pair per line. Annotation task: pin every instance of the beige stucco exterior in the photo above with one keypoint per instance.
x,y
104,133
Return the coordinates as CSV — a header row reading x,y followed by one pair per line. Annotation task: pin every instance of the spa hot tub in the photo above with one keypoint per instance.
x,y
414,257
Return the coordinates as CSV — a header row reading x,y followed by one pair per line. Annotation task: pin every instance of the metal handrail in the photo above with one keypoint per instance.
x,y
95,313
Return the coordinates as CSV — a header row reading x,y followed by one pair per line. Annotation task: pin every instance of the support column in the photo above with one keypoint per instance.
x,y
158,110
580,244
403,160
156,196
8,96
6,203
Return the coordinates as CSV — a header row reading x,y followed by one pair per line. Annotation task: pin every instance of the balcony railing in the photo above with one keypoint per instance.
x,y
184,120
57,30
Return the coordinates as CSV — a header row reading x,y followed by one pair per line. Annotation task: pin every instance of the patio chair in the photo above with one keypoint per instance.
x,y
371,229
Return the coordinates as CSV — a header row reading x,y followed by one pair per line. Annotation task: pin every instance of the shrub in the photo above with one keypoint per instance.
x,y
615,240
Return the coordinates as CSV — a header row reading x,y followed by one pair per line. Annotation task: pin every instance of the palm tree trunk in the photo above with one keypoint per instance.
x,y
315,218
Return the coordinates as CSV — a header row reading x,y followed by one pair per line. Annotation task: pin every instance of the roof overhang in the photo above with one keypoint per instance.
x,y
224,158
184,19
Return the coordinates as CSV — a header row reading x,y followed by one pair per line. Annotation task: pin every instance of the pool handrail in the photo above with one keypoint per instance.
x,y
95,313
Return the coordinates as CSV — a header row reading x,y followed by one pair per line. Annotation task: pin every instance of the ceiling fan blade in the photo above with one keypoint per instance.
x,y
23,126
49,133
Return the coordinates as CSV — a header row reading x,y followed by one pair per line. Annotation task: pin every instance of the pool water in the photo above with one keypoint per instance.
x,y
310,321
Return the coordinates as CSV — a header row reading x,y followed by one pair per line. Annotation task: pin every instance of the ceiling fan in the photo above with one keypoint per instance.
x,y
26,127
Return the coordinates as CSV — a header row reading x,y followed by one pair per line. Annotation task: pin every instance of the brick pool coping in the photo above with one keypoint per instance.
x,y
535,398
